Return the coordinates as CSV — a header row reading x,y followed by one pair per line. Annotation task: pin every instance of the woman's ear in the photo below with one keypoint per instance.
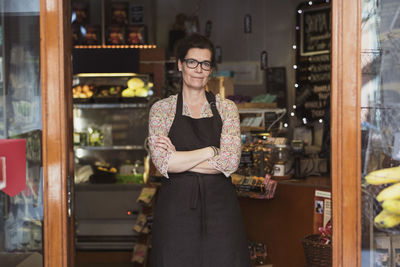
x,y
179,65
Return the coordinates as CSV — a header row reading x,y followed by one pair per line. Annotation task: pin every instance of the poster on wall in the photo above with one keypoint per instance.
x,y
245,73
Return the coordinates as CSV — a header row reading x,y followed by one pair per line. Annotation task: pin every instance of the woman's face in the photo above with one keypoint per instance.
x,y
195,78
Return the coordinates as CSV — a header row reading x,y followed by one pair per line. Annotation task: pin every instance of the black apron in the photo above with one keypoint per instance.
x,y
197,219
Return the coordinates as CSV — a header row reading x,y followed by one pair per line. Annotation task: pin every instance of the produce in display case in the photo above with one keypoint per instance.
x,y
112,88
110,127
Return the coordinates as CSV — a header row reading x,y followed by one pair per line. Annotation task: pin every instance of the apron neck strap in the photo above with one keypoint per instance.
x,y
210,98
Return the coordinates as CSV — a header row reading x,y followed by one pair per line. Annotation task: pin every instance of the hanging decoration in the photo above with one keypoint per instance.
x,y
264,60
218,54
247,24
208,28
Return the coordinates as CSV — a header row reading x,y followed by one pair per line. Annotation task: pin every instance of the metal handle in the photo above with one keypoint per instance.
x,y
69,197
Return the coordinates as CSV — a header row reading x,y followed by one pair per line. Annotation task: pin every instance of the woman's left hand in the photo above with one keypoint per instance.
x,y
165,143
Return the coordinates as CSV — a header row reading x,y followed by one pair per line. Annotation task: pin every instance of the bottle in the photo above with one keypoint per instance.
x,y
280,157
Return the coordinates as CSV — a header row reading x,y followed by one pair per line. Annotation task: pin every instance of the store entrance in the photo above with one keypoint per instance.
x,y
275,54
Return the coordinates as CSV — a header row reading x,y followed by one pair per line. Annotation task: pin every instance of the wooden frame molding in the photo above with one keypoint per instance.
x,y
346,132
57,119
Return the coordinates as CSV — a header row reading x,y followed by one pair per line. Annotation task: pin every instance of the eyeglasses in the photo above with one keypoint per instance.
x,y
193,63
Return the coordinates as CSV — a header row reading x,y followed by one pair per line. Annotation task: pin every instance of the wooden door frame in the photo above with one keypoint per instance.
x,y
346,132
56,79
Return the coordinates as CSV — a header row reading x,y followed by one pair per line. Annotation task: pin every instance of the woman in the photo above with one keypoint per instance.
x,y
195,143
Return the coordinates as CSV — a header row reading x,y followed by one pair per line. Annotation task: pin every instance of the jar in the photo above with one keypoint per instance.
x,y
280,155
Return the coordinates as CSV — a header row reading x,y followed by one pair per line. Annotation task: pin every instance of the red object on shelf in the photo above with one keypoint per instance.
x,y
14,152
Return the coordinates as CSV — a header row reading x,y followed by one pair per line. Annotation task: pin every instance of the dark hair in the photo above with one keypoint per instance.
x,y
194,41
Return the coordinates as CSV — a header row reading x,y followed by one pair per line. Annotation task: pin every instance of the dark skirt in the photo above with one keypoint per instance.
x,y
198,223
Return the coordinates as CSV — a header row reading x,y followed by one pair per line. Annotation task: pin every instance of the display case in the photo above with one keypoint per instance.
x,y
110,129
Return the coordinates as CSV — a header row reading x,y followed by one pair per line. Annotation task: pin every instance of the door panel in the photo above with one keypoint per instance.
x,y
380,130
21,198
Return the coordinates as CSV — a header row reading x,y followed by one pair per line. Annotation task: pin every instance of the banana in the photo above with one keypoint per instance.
x,y
386,219
384,176
391,192
392,206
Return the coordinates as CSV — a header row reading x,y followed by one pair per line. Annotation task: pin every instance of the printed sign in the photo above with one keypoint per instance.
x,y
14,150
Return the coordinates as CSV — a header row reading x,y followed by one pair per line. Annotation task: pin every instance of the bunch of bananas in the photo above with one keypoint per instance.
x,y
389,197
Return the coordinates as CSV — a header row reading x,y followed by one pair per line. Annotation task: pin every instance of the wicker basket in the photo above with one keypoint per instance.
x,y
317,254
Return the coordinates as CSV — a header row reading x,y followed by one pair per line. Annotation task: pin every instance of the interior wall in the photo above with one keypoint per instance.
x,y
273,30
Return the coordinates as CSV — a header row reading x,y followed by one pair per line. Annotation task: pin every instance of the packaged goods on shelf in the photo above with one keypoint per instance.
x,y
146,195
254,186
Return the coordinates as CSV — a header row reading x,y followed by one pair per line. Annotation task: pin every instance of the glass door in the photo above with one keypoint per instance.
x,y
21,175
380,133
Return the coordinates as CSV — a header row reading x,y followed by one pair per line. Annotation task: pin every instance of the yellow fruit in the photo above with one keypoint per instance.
x,y
135,83
85,88
384,176
392,206
142,92
391,192
386,219
128,92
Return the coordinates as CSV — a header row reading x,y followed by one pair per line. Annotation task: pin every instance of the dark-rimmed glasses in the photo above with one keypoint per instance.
x,y
193,63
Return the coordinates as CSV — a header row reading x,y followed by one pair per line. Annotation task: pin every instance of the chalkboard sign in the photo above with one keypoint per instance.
x,y
313,73
315,30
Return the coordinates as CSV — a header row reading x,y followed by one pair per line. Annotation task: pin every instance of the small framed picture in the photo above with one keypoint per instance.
x,y
91,35
119,13
136,35
115,35
80,13
319,206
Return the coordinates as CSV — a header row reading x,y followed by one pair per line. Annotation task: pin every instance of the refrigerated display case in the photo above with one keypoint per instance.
x,y
110,129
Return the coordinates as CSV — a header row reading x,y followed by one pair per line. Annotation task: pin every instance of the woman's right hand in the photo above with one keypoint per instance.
x,y
164,142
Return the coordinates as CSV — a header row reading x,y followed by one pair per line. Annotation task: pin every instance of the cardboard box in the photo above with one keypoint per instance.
x,y
221,85
382,250
395,251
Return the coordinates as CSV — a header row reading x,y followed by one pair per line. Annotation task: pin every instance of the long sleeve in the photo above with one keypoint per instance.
x,y
228,160
161,116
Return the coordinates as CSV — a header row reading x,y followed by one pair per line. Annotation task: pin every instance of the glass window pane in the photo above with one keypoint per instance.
x,y
21,178
380,124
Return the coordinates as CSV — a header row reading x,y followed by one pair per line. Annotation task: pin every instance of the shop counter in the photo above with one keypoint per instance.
x,y
283,221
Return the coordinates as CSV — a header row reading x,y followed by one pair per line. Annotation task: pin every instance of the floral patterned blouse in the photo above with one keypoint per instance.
x,y
162,115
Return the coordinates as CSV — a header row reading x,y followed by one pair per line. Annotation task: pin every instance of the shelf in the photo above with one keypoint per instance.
x,y
251,128
101,148
110,105
142,46
108,187
262,110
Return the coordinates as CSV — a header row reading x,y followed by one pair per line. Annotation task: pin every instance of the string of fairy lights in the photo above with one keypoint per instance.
x,y
297,84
